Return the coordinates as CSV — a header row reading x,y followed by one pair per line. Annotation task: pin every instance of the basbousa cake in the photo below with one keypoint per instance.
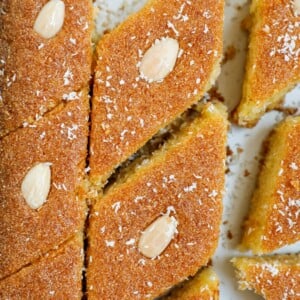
x,y
174,199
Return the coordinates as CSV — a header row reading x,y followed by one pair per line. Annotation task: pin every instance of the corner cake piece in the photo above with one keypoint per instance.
x,y
38,73
41,167
150,69
160,223
56,275
275,278
273,65
204,286
274,219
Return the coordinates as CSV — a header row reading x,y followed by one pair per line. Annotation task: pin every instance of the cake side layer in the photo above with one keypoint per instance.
x,y
204,286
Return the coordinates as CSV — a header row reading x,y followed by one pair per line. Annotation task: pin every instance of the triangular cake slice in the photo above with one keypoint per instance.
x,y
160,223
275,278
149,70
57,275
41,167
37,73
274,218
204,286
273,64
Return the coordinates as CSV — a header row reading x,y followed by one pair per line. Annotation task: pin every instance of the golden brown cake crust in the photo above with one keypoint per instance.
x,y
36,73
55,276
127,111
280,202
273,59
179,177
60,139
275,277
204,286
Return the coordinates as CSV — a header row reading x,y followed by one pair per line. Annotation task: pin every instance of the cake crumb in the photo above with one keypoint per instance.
x,y
229,235
229,54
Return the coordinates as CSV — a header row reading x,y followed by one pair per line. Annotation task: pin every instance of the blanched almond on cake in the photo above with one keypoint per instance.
x,y
36,185
159,60
50,19
157,236
296,7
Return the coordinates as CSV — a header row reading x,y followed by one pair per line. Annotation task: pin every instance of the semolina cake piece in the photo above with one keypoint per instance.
x,y
57,275
37,72
204,286
274,220
275,277
273,63
160,223
41,167
149,70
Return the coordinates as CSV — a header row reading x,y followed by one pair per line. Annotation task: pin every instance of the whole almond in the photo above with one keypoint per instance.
x,y
296,7
159,60
36,185
157,236
50,19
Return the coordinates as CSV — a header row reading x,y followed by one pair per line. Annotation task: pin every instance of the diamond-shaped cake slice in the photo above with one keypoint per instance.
x,y
273,64
41,167
38,73
57,275
160,223
275,277
149,70
274,217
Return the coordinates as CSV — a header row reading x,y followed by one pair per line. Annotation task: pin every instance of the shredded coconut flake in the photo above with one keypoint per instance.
x,y
110,243
68,76
116,206
190,188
